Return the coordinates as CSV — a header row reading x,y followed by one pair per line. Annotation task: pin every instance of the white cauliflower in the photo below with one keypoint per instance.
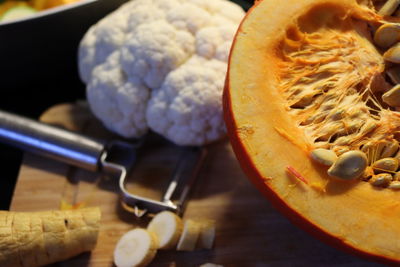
x,y
161,64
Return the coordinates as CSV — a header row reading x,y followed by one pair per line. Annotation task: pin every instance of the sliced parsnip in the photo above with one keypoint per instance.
x,y
189,236
167,226
136,248
207,234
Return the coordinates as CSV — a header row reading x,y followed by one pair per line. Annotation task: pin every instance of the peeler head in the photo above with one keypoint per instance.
x,y
121,159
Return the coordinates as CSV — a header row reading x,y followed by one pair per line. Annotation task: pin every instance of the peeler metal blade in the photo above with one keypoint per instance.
x,y
118,159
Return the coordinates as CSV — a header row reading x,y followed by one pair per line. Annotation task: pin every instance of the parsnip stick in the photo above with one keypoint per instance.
x,y
30,239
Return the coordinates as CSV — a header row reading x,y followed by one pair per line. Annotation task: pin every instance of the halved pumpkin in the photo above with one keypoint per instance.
x,y
293,64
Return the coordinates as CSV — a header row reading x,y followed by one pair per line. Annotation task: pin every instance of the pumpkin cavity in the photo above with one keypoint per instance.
x,y
334,82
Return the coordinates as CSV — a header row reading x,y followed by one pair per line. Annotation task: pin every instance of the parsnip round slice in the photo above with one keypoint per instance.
x,y
167,226
189,237
207,234
136,248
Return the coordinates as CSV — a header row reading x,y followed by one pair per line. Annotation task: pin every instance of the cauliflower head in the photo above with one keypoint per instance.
x,y
161,65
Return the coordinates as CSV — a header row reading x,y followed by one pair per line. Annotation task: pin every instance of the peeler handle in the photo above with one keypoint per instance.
x,y
49,141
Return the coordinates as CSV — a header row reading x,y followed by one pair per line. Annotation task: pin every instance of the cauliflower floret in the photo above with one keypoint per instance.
x,y
120,99
187,108
222,10
189,17
154,49
215,42
161,64
145,14
102,39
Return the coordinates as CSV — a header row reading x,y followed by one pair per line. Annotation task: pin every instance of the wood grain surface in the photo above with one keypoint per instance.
x,y
250,232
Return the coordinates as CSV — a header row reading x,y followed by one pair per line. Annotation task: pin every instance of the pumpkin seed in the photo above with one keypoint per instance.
x,y
368,127
317,118
380,148
390,149
394,74
373,150
387,35
303,101
339,150
343,141
392,97
337,115
379,84
385,165
381,179
367,148
396,176
393,54
394,185
324,156
389,7
349,165
367,174
397,156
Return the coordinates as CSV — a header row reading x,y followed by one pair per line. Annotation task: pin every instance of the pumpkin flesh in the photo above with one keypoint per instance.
x,y
293,66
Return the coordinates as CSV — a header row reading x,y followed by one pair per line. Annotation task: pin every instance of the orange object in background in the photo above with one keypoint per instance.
x,y
23,9
45,4
36,4
54,3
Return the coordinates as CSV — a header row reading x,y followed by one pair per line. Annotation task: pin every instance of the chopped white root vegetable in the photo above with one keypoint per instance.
x,y
41,238
136,248
167,226
207,234
190,234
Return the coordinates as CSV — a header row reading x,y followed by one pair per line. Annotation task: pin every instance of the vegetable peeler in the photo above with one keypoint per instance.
x,y
116,158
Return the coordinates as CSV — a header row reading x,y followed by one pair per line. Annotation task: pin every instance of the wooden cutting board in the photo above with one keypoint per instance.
x,y
250,232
